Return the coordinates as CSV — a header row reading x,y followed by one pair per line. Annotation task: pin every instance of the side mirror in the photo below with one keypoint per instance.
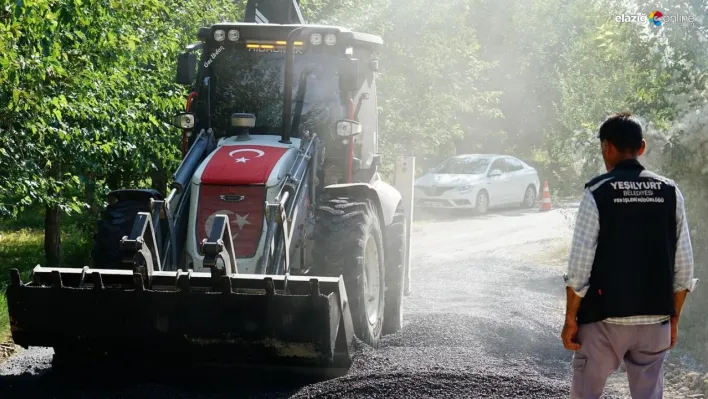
x,y
347,128
349,74
495,173
184,120
186,68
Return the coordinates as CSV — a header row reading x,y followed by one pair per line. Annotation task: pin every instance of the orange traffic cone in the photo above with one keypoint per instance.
x,y
546,203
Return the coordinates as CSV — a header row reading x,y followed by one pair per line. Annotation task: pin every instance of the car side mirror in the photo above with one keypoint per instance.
x,y
184,120
349,74
495,173
186,68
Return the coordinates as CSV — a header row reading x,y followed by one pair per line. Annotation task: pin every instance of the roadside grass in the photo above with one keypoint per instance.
x,y
23,249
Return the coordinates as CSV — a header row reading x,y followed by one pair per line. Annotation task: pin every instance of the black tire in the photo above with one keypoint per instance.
x,y
344,229
529,197
115,223
395,272
482,196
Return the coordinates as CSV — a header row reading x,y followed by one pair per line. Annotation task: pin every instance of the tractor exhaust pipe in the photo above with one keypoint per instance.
x,y
288,83
190,163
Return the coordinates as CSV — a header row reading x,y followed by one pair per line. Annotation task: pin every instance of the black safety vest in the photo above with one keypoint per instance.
x,y
633,270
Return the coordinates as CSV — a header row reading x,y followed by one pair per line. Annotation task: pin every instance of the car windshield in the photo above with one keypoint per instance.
x,y
467,166
251,81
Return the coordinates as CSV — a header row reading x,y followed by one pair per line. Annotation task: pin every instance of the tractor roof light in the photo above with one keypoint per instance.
x,y
234,35
316,39
219,35
330,39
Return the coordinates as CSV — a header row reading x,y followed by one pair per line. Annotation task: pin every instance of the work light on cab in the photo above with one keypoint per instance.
x,y
330,39
347,128
219,35
184,120
234,35
316,39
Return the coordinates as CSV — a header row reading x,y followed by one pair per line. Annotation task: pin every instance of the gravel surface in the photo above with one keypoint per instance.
x,y
483,321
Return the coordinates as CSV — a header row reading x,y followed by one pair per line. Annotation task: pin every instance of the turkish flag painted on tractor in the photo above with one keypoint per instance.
x,y
234,184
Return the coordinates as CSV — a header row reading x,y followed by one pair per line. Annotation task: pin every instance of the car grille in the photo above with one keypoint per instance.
x,y
435,191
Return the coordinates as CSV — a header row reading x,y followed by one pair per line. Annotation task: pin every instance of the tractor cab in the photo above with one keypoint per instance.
x,y
295,80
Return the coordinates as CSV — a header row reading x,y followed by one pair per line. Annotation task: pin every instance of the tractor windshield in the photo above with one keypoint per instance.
x,y
251,81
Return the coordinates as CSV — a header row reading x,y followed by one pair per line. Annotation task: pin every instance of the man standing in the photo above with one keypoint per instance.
x,y
630,269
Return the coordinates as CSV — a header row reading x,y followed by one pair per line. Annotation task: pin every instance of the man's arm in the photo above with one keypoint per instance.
x,y
581,259
582,249
572,304
683,265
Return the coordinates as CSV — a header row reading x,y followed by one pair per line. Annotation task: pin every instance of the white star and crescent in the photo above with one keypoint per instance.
x,y
243,159
239,220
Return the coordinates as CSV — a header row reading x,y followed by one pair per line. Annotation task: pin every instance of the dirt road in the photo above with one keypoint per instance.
x,y
483,321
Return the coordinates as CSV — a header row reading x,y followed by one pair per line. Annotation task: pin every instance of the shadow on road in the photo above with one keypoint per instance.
x,y
110,382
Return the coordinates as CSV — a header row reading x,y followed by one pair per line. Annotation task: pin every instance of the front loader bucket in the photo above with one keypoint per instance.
x,y
238,320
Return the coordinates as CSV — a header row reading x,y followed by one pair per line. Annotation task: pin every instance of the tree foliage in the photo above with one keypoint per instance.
x,y
86,88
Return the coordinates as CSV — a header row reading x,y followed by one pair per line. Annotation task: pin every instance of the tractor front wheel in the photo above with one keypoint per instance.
x,y
396,272
349,242
115,223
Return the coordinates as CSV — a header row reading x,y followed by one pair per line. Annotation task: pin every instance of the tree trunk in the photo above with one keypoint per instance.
x,y
93,213
52,236
52,227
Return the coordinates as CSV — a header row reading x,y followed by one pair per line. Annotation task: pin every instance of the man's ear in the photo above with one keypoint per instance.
x,y
642,148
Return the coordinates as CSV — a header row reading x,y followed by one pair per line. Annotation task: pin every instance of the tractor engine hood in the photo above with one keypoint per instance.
x,y
236,180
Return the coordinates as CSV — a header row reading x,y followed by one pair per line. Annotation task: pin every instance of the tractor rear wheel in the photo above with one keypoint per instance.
x,y
116,221
395,272
349,242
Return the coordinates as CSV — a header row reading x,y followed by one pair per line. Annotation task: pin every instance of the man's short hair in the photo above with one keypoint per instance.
x,y
623,130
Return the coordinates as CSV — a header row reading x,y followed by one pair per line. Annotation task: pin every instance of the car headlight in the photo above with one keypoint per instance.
x,y
466,187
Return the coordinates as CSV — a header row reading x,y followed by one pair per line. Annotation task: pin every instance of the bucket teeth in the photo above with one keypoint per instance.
x,y
97,281
15,278
269,287
315,287
138,282
226,287
56,279
183,282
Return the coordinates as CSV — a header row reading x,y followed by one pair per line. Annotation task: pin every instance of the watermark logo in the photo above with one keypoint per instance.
x,y
655,17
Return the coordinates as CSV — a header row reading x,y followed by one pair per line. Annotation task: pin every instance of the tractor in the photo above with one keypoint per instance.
x,y
278,242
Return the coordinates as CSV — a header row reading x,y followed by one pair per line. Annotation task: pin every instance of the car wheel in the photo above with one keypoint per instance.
x,y
482,203
529,197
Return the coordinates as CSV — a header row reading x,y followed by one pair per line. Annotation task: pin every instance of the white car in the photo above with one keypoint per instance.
x,y
478,181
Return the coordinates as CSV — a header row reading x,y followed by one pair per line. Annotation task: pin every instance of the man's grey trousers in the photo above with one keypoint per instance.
x,y
603,346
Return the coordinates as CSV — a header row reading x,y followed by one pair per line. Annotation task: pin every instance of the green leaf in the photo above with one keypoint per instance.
x,y
154,121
